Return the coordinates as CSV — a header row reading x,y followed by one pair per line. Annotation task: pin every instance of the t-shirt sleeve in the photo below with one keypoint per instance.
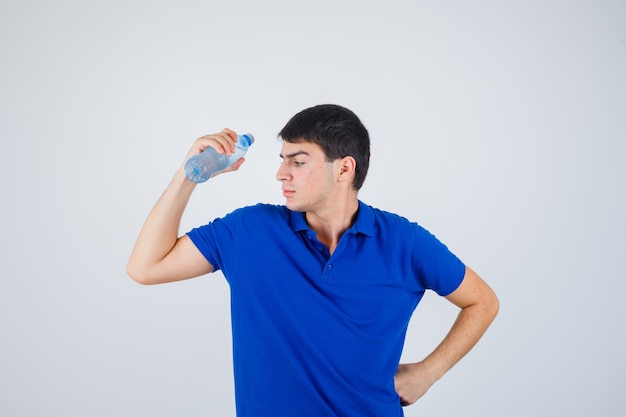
x,y
203,238
217,239
437,268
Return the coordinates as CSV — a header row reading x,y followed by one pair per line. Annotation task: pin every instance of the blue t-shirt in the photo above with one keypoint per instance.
x,y
319,335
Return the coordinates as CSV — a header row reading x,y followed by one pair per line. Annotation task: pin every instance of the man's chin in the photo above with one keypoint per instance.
x,y
293,206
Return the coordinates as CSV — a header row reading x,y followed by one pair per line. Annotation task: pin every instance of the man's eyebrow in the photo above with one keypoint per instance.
x,y
293,154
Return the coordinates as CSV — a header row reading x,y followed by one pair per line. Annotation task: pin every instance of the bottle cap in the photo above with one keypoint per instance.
x,y
250,137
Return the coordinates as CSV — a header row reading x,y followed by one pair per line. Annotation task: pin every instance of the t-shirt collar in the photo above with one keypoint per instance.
x,y
364,223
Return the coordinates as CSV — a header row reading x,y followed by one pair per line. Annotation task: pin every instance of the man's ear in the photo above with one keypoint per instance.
x,y
347,168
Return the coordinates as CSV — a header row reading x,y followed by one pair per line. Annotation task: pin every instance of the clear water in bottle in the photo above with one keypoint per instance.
x,y
199,168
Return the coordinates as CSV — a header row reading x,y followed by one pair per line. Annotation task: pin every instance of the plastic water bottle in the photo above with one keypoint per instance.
x,y
201,167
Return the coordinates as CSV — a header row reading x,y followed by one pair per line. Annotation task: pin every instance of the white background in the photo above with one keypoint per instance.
x,y
498,125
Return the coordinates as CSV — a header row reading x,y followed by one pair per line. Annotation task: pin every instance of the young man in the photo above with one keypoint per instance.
x,y
322,289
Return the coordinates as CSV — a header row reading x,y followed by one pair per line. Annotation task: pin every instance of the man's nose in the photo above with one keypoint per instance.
x,y
281,174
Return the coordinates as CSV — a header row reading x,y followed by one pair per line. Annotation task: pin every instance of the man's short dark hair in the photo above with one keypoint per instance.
x,y
337,130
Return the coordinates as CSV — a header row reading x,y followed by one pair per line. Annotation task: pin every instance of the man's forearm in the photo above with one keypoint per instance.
x,y
160,230
469,327
479,306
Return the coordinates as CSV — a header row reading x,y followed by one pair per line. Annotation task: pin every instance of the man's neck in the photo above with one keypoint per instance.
x,y
330,224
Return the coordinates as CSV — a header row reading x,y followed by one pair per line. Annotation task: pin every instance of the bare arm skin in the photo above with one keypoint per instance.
x,y
160,255
479,306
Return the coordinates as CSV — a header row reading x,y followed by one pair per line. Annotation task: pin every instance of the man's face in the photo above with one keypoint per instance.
x,y
308,180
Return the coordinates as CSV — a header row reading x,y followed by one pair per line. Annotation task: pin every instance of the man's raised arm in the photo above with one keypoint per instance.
x,y
160,255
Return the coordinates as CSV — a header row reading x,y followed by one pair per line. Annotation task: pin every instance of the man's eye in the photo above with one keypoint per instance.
x,y
298,163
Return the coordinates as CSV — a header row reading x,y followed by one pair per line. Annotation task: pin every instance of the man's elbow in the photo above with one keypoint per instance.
x,y
492,305
139,275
